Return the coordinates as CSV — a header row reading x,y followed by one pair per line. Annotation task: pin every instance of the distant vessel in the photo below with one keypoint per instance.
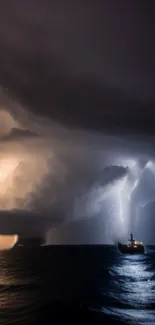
x,y
132,247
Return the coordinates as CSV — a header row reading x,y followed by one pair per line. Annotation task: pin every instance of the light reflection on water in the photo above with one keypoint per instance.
x,y
16,302
30,278
134,289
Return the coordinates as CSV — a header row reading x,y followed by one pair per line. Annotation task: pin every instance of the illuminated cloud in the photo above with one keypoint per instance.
x,y
7,122
61,174
86,81
8,241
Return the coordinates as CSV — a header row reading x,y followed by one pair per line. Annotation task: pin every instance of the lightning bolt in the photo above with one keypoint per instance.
x,y
119,190
122,192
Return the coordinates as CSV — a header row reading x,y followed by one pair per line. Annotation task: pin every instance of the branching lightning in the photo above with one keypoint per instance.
x,y
125,191
122,194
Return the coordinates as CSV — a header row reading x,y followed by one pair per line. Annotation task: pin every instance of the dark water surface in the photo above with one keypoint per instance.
x,y
78,283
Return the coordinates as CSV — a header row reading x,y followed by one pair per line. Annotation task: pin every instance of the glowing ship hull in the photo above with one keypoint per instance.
x,y
133,247
126,249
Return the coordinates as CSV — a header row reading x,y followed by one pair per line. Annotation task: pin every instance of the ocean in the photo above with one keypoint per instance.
x,y
48,284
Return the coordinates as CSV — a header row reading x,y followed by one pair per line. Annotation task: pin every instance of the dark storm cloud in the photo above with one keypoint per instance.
x,y
44,175
26,224
88,64
62,175
18,134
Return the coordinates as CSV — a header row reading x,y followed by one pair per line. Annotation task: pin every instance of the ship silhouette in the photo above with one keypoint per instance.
x,y
132,246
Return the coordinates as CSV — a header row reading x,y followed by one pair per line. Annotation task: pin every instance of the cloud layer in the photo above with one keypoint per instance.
x,y
57,174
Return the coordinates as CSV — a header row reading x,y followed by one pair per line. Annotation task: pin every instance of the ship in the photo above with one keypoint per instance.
x,y
132,247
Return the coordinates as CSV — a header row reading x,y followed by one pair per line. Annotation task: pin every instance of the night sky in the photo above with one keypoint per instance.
x,y
84,65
